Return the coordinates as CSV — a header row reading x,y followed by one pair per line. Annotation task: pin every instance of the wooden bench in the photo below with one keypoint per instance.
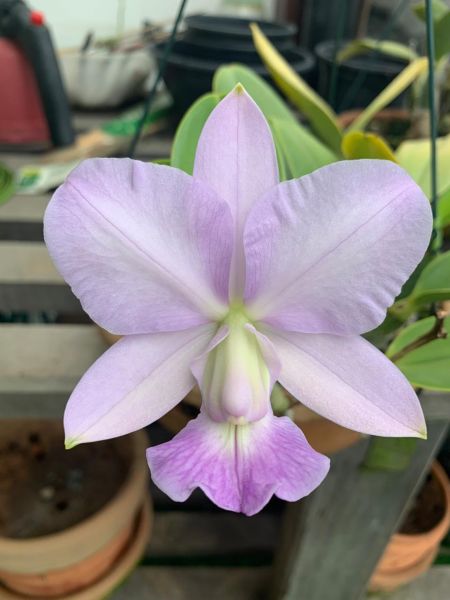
x,y
330,542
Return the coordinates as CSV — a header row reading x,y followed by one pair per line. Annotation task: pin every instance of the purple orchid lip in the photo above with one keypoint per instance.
x,y
236,280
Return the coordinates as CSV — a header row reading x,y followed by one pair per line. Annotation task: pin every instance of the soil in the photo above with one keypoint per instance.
x,y
427,510
45,488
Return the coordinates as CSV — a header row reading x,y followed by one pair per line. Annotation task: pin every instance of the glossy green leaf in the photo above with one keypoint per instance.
x,y
228,76
322,118
414,157
7,184
387,47
390,92
357,144
440,9
442,36
301,151
433,283
427,366
188,132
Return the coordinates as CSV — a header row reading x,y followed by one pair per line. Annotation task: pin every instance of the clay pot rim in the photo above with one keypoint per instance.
x,y
125,494
442,526
119,571
388,581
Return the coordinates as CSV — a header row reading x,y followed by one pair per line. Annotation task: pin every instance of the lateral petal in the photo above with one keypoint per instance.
x,y
350,382
329,252
132,384
145,247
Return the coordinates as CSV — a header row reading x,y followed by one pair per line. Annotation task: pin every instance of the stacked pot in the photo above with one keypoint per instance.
x,y
72,524
209,42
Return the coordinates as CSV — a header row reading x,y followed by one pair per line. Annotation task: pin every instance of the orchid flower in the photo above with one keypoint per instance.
x,y
233,280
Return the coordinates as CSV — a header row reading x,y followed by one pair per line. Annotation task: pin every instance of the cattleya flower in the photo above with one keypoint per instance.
x,y
233,280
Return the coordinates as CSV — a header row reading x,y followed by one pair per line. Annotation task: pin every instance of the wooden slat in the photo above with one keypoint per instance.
x,y
30,282
21,218
164,583
179,534
40,365
339,533
192,583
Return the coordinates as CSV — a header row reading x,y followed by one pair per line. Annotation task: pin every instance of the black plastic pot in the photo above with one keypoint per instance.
x,y
234,29
320,20
187,77
358,80
224,50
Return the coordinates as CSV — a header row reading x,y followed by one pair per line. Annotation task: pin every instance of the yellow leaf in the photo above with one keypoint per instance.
x,y
357,144
322,118
390,92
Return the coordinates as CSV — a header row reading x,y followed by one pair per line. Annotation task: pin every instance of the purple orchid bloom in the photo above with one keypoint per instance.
x,y
233,280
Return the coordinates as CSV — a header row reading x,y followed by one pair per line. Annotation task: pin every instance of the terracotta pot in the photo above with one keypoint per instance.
x,y
127,560
323,435
39,555
409,555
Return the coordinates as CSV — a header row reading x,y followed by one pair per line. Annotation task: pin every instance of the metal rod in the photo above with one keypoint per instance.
x,y
162,67
432,109
360,79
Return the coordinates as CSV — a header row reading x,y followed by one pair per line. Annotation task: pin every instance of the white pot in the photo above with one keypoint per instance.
x,y
102,79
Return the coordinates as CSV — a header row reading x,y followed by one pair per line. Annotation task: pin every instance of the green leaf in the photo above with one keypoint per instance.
x,y
390,92
301,151
429,365
443,210
188,132
389,454
283,169
7,185
162,161
414,157
357,144
433,283
442,36
387,47
439,10
322,118
410,334
228,76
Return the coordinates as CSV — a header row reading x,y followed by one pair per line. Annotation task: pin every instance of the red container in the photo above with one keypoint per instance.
x,y
22,118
